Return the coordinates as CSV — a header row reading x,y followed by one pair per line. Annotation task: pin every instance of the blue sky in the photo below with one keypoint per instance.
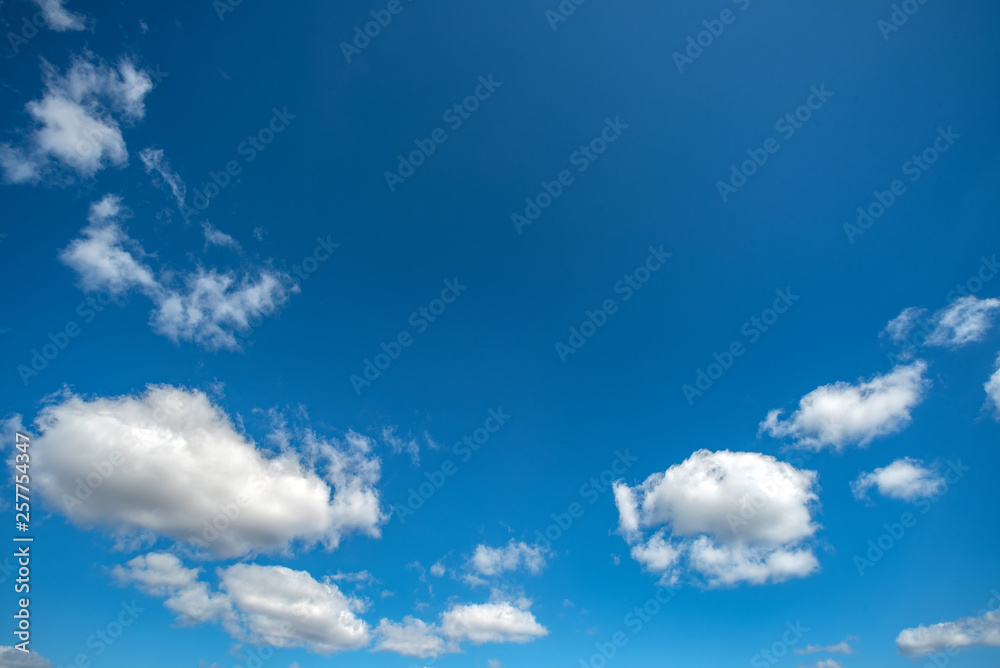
x,y
629,342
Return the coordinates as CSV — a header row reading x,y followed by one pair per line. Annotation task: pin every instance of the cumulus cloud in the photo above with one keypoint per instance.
x,y
492,561
180,469
271,605
205,306
958,635
77,120
724,517
15,658
843,414
412,637
491,622
966,320
905,479
158,167
58,17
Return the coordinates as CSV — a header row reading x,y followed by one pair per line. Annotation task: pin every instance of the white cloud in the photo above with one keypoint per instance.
x,y
158,167
15,658
962,634
437,569
842,414
216,237
899,328
966,320
77,120
825,663
400,445
843,647
992,387
207,307
492,561
491,622
58,17
412,637
905,479
185,471
728,517
270,605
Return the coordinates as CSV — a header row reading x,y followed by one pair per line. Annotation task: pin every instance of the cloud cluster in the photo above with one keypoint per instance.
x,y
843,414
725,517
966,320
962,634
492,561
77,121
905,479
187,474
205,306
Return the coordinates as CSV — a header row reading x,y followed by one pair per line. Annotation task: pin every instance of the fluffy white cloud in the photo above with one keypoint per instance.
x,y
158,167
412,638
842,414
491,622
962,634
491,561
15,658
992,387
905,479
175,466
270,605
58,17
77,120
728,517
825,663
207,307
965,320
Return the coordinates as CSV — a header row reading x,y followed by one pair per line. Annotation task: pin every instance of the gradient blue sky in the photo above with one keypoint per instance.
x,y
495,347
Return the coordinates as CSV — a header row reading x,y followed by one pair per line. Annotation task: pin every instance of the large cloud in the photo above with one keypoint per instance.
x,y
270,605
842,414
959,635
77,119
726,517
905,479
207,307
179,468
